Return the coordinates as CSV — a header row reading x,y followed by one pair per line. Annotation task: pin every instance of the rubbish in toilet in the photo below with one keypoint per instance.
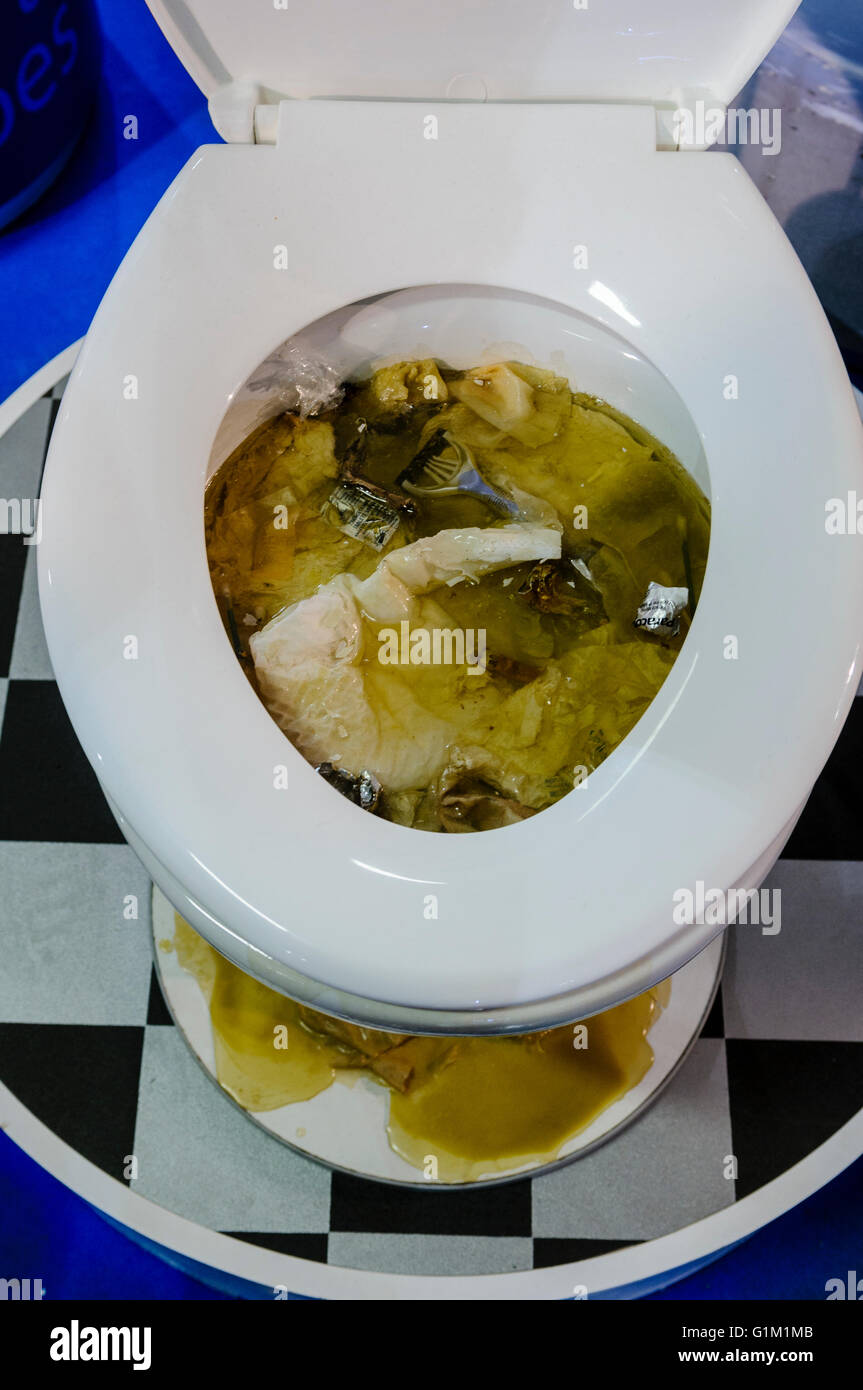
x,y
294,377
494,500
363,789
660,609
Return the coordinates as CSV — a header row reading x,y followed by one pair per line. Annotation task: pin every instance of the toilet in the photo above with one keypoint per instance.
x,y
501,173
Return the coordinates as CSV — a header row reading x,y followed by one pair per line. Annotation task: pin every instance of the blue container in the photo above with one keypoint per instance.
x,y
49,67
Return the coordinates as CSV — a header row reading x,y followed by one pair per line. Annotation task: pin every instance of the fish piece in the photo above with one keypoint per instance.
x,y
369,1042
559,586
308,659
496,394
410,1063
364,790
394,1057
448,558
474,804
519,672
530,406
395,1067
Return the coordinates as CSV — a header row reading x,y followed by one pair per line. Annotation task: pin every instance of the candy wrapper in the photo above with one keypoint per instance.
x,y
661,609
362,516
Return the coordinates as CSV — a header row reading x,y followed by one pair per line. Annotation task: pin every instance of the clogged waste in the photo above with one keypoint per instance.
x,y
437,584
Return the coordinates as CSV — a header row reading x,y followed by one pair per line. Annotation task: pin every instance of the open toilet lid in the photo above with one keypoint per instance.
x,y
667,53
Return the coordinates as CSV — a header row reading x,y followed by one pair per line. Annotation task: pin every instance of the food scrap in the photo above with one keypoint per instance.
x,y
430,583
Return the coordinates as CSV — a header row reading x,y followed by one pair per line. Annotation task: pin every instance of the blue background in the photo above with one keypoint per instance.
x,y
55,264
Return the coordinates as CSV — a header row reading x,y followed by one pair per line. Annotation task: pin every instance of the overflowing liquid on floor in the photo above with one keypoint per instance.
x,y
456,592
469,1106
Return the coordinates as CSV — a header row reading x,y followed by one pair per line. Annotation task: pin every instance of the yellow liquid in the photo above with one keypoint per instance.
x,y
474,1106
563,687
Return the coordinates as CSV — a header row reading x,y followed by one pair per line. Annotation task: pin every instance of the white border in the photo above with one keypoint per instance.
x,y
612,1275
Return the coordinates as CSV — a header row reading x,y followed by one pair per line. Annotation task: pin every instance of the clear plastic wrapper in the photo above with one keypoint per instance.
x,y
661,609
294,377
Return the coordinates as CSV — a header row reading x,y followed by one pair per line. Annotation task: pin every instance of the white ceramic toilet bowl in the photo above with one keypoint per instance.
x,y
721,349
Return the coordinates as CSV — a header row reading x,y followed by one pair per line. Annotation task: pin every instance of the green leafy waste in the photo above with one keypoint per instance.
x,y
565,681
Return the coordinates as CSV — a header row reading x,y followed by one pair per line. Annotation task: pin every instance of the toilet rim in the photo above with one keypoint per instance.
x,y
407,862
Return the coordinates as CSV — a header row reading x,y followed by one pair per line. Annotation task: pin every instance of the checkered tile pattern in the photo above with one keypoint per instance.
x,y
87,1044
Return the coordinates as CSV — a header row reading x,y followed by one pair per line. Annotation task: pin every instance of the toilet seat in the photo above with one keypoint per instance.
x,y
298,886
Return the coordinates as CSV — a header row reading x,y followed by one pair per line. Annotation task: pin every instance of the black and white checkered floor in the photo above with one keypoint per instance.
x,y
87,1044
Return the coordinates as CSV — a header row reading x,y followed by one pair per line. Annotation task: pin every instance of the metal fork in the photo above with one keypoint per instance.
x,y
431,474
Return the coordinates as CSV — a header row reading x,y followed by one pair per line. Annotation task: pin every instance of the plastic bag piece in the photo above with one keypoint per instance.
x,y
295,378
